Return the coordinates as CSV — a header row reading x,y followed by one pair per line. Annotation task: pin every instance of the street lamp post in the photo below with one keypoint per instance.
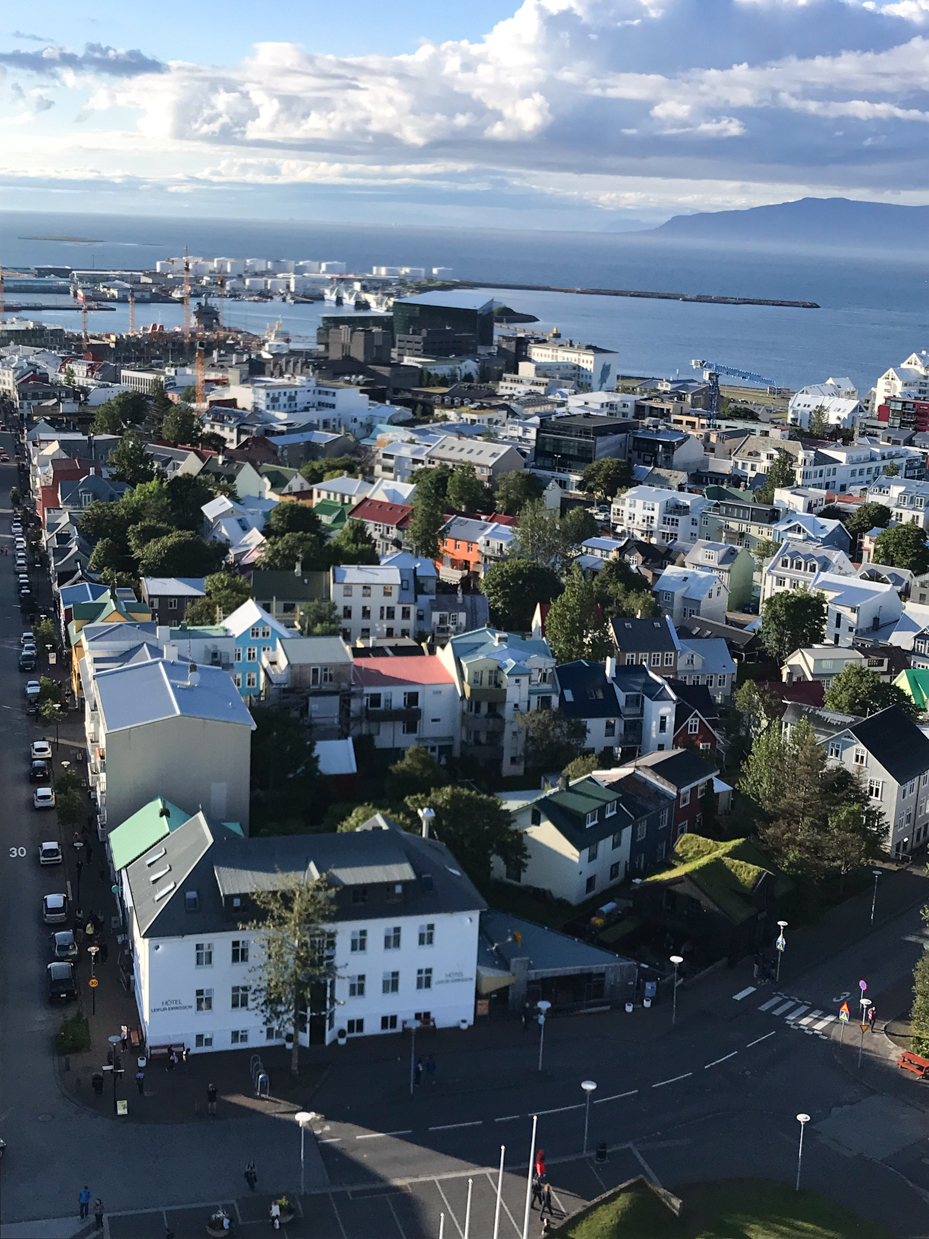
x,y
427,817
467,1225
115,1041
802,1119
413,1024
544,1007
535,1124
780,946
877,874
676,960
303,1117
499,1193
588,1086
93,951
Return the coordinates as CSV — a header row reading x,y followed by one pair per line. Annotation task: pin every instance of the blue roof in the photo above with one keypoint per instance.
x,y
149,692
83,591
481,644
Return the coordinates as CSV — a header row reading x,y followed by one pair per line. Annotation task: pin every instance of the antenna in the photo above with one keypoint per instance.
x,y
186,296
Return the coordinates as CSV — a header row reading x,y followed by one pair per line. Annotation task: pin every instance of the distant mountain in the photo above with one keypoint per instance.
x,y
810,221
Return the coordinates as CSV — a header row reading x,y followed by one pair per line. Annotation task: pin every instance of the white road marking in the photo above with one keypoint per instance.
x,y
508,1118
770,1003
808,1019
822,1023
393,1211
798,1012
378,1135
616,1096
785,1006
449,1126
717,1061
757,1039
744,993
559,1110
493,1186
673,1080
449,1208
331,1140
644,1164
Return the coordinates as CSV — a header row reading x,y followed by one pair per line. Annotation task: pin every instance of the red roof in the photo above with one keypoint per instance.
x,y
390,672
48,498
802,692
396,514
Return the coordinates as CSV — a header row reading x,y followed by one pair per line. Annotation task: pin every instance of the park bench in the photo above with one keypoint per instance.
x,y
164,1051
914,1062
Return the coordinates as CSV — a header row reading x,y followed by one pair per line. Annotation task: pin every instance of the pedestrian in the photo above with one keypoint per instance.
x,y
90,928
546,1201
124,1034
536,1191
276,1215
430,1068
418,1072
98,1213
140,1082
211,1098
172,1060
546,1226
104,951
251,1176
540,1163
78,866
185,1055
84,1197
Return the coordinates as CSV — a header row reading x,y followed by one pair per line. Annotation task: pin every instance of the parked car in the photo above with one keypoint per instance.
x,y
63,945
20,563
27,661
27,638
43,798
40,749
54,909
33,688
17,527
4,456
62,986
39,772
50,853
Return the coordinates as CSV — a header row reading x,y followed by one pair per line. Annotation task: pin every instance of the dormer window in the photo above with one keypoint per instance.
x,y
191,901
610,810
592,818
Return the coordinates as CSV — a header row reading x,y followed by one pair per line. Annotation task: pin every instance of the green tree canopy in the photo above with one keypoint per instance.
x,y
466,492
284,552
353,545
474,827
891,470
781,472
181,425
578,525
180,554
290,517
867,516
146,531
764,549
552,739
110,559
130,461
513,587
575,627
225,593
605,477
124,409
793,620
316,471
432,481
542,538
818,427
902,546
425,524
856,690
359,815
623,592
586,764
416,773
108,520
319,618
515,489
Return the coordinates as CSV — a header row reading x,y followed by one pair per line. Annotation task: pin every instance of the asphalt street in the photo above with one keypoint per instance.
x,y
714,1096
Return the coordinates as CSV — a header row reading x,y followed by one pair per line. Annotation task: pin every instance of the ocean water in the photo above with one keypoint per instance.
x,y
874,306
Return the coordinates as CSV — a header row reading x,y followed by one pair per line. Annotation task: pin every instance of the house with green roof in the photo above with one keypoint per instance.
x,y
915,683
332,515
725,897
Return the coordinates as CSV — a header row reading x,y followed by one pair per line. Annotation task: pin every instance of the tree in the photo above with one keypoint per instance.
x,y
552,739
160,407
466,493
516,488
50,691
793,620
818,427
181,424
902,546
224,593
541,538
108,520
185,495
753,709
586,764
110,560
856,690
358,816
113,416
514,586
14,497
782,472
764,772
764,549
72,811
425,524
354,545
624,592
319,618
293,964
315,471
180,554
867,516
575,627
605,477
578,525
432,481
291,518
146,531
285,552
130,461
475,828
891,469
416,773
919,1014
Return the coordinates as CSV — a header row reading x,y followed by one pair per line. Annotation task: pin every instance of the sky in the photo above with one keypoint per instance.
x,y
556,114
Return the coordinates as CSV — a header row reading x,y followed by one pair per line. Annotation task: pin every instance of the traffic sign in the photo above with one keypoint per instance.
x,y
780,945
93,982
843,1013
862,985
864,1027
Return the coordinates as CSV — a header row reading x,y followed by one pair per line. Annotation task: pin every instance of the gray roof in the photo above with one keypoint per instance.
x,y
896,742
680,767
643,635
174,586
152,691
547,949
825,723
313,651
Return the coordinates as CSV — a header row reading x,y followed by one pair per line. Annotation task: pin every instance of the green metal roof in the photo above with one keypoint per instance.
x,y
915,683
143,829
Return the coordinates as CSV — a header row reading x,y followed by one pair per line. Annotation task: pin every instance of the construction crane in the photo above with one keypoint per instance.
x,y
186,296
131,312
200,372
711,372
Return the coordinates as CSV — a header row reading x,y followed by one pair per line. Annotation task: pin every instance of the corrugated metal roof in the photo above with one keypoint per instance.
x,y
149,692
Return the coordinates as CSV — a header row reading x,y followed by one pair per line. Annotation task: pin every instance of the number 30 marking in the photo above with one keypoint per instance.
x,y
14,852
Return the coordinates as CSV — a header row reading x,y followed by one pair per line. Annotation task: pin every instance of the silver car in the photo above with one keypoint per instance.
x,y
54,909
50,853
63,945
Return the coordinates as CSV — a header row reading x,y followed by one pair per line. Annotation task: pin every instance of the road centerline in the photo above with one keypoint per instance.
x,y
673,1080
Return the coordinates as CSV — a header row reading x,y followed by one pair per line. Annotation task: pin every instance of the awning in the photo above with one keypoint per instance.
x,y
490,979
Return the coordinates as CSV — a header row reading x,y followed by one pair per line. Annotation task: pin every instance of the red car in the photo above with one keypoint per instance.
x,y
4,457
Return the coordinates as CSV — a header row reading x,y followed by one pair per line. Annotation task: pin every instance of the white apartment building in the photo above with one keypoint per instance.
x,y
686,593
857,466
402,940
911,378
837,398
592,368
604,404
373,601
857,610
906,498
796,564
410,701
654,514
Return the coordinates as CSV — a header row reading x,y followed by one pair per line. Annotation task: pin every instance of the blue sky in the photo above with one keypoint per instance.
x,y
554,113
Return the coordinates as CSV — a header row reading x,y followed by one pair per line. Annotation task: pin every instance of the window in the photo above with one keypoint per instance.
x,y
388,591
202,1041
392,938
240,997
388,1023
591,884
204,1000
346,612
238,653
663,820
610,810
685,798
861,757
592,818
251,679
592,852
614,871
410,728
356,986
640,831
656,660
359,941
347,591
663,724
390,983
237,678
239,1036
835,749
693,726
630,660
172,604
424,978
875,789
365,591
410,701
617,840
514,873
251,654
204,952
535,815
669,659
355,1027
359,894
240,950
427,935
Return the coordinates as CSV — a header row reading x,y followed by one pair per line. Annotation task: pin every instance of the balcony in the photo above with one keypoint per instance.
x,y
475,693
399,714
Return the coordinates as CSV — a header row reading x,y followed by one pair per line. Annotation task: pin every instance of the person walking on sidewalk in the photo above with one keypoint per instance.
x,y
211,1099
546,1201
98,1213
536,1191
418,1072
251,1176
140,1082
84,1197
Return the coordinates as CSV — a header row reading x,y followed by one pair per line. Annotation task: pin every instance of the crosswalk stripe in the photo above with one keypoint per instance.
x,y
743,993
783,1007
770,1003
808,1019
798,1011
822,1023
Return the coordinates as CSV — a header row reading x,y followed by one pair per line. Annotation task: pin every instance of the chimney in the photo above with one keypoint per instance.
x,y
427,816
193,675
298,568
610,665
563,783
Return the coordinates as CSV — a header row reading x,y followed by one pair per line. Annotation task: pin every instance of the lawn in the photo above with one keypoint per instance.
x,y
728,1209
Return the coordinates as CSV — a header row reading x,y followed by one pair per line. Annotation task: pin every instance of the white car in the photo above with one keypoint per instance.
x,y
40,750
16,527
50,853
28,638
54,909
43,798
33,688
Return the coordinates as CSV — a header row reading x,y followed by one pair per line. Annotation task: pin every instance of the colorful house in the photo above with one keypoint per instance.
x,y
254,631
